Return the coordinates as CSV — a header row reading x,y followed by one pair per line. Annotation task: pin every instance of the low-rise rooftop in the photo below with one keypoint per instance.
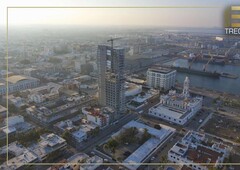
x,y
161,70
17,78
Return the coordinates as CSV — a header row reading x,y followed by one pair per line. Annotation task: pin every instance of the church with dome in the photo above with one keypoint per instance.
x,y
177,107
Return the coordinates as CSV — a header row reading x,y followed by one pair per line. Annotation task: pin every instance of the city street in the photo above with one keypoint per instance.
x,y
89,144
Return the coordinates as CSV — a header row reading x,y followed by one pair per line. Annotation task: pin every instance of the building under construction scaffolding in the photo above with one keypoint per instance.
x,y
111,77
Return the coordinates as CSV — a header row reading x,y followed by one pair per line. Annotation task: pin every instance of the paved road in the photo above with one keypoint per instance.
x,y
104,134
205,121
193,123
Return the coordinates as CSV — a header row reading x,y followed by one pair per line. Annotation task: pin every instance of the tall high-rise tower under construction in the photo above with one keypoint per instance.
x,y
111,77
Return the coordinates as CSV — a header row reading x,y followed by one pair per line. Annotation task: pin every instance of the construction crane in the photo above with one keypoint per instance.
x,y
113,39
205,66
201,54
228,51
194,59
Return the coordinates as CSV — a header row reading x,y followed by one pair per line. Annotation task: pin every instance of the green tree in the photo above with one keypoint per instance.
x,y
112,144
31,136
164,159
67,136
53,155
12,108
95,131
129,135
145,136
55,60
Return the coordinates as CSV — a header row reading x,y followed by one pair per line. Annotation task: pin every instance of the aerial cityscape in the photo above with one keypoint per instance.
x,y
119,97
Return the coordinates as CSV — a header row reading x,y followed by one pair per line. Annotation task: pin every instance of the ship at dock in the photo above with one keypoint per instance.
x,y
196,72
215,61
207,58
228,75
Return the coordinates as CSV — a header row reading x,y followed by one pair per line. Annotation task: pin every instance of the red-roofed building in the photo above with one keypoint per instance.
x,y
98,116
196,154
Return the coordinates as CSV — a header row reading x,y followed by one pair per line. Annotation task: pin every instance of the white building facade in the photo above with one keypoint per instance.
x,y
177,108
161,78
13,120
97,115
192,151
17,83
132,89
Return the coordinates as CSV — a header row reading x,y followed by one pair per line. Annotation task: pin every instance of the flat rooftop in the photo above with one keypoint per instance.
x,y
161,70
171,112
22,156
79,134
17,78
48,143
193,149
203,155
157,138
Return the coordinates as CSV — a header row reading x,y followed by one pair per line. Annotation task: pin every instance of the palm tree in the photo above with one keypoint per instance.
x,y
164,159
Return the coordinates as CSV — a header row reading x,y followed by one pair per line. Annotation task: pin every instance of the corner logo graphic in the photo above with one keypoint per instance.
x,y
232,20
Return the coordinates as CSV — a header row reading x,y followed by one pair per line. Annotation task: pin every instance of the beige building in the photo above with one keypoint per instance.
x,y
17,83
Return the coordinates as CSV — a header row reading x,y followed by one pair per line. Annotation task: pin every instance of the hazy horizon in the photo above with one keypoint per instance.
x,y
169,14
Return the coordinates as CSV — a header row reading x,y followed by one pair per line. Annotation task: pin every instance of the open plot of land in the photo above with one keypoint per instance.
x,y
124,151
224,126
235,158
136,142
123,144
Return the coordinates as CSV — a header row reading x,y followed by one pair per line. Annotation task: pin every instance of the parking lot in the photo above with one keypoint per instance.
x,y
197,120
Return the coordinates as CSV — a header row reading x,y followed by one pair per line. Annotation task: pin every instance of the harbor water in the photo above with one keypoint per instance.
x,y
222,84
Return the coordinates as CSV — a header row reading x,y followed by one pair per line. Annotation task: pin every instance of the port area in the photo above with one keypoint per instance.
x,y
227,75
202,73
197,72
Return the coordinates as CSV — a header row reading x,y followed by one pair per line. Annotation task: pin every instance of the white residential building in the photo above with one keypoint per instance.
x,y
13,120
16,101
48,143
100,117
132,89
142,99
79,135
43,93
159,77
29,71
74,162
22,156
194,151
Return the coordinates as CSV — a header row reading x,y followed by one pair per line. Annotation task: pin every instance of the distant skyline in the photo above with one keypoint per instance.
x,y
163,17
